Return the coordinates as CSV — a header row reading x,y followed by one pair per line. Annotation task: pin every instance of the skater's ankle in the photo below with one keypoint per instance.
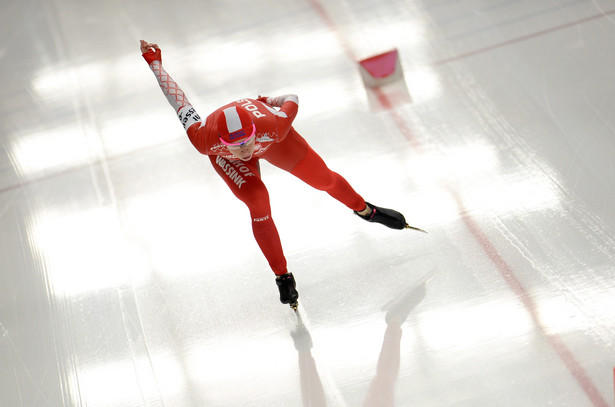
x,y
365,211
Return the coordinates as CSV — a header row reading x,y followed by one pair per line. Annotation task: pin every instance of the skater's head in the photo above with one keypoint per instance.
x,y
237,131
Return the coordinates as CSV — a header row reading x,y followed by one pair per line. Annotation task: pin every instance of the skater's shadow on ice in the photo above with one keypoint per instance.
x,y
312,391
382,386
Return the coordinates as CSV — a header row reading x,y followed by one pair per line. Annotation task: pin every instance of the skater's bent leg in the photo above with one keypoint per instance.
x,y
296,156
243,178
313,171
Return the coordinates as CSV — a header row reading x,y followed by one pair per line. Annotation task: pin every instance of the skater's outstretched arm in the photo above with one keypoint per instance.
x,y
176,97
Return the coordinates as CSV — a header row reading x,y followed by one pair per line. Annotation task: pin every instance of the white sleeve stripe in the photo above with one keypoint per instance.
x,y
280,100
233,122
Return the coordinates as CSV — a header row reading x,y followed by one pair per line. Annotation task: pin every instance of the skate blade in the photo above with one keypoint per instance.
x,y
415,228
294,306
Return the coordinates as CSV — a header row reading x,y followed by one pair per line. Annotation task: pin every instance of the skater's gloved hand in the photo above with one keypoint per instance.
x,y
264,99
278,101
151,52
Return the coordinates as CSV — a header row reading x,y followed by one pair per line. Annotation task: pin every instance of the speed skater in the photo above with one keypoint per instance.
x,y
237,136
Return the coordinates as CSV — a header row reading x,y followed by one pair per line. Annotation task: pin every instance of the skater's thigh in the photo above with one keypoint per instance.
x,y
297,157
243,178
289,153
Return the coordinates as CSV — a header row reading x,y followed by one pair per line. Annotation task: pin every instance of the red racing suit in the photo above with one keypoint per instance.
x,y
272,126
276,141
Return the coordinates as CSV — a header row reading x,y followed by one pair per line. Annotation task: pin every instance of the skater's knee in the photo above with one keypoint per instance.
x,y
256,198
321,179
324,182
260,212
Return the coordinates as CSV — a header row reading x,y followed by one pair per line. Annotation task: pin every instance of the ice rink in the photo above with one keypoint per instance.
x,y
129,275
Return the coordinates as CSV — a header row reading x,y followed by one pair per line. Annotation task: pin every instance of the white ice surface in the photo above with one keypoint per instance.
x,y
116,284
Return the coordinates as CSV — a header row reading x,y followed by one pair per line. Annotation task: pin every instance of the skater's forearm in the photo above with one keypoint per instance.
x,y
176,97
280,100
174,94
288,104
169,87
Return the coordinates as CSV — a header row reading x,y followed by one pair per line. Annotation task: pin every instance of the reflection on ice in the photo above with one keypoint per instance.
x,y
382,387
464,326
52,150
83,251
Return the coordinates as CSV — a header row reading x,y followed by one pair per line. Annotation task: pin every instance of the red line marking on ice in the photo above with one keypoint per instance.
x,y
565,355
573,366
397,119
523,38
324,15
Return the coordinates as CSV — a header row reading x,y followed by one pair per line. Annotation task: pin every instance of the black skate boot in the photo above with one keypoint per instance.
x,y
288,294
387,217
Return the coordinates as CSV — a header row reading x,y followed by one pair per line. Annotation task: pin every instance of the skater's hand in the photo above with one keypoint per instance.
x,y
151,52
263,99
